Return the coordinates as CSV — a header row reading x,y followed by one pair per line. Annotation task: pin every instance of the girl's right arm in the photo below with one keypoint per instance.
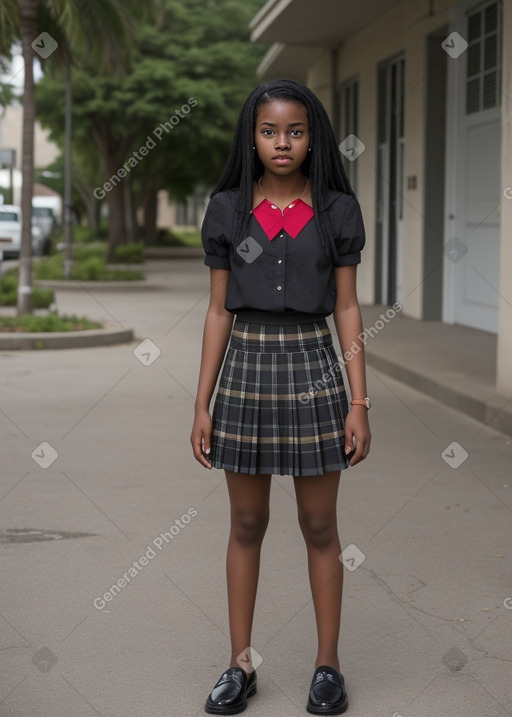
x,y
217,330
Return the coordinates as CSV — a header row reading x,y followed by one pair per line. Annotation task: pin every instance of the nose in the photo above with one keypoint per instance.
x,y
282,141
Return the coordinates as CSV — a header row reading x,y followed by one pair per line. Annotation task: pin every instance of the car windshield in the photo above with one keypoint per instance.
x,y
41,212
8,216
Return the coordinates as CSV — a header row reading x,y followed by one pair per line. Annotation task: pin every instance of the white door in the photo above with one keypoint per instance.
x,y
472,234
390,181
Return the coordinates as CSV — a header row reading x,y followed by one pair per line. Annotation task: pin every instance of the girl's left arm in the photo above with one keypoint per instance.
x,y
349,326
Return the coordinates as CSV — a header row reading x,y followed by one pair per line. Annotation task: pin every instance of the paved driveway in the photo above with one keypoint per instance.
x,y
122,610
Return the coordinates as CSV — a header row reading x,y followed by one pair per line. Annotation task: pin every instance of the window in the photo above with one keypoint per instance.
x,y
349,113
483,71
8,216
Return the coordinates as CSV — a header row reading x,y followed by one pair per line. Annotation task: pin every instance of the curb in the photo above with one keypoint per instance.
x,y
89,338
493,411
74,285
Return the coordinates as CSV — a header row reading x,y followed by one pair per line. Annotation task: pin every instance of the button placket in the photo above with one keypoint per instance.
x,y
281,272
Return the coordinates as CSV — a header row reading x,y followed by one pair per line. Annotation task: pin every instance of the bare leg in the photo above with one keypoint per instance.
x,y
249,498
316,501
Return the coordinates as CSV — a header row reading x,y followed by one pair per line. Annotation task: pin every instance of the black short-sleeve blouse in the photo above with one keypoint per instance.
x,y
284,275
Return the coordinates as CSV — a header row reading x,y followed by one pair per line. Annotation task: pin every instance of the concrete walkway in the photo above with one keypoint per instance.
x,y
122,610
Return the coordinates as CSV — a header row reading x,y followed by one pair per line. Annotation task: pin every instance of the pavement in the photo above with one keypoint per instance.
x,y
113,580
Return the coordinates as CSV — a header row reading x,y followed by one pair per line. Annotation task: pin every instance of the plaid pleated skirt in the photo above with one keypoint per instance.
x,y
281,404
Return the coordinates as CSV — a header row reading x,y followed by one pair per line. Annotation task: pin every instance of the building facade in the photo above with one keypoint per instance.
x,y
420,96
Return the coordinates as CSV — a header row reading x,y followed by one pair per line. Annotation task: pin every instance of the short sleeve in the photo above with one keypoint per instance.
x,y
350,232
213,235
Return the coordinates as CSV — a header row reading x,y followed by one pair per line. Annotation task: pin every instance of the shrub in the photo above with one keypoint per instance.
x,y
86,251
188,237
89,268
129,253
51,268
41,298
51,322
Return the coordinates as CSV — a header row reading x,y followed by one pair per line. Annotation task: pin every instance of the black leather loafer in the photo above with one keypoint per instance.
x,y
229,696
327,695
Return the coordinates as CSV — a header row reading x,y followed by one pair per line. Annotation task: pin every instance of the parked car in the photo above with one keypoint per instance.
x,y
43,218
10,232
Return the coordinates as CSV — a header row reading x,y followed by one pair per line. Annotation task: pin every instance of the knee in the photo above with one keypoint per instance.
x,y
249,528
319,532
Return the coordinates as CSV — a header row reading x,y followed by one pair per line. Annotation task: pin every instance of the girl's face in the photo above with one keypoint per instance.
x,y
281,136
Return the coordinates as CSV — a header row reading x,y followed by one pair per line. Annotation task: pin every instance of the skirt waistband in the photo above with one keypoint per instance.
x,y
258,316
287,338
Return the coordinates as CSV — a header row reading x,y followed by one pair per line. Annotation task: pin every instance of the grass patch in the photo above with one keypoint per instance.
x,y
27,323
129,254
41,298
91,266
174,237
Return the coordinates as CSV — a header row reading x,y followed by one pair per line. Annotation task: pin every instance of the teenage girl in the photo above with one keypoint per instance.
x,y
283,235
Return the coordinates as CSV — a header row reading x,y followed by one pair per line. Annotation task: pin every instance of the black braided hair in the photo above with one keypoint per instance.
x,y
323,165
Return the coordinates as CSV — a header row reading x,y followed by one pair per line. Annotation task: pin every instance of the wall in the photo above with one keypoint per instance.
x,y
45,151
504,366
403,29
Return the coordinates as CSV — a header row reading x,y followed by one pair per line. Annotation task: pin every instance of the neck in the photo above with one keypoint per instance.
x,y
282,187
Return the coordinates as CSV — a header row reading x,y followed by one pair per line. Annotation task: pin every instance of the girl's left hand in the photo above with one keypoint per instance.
x,y
357,431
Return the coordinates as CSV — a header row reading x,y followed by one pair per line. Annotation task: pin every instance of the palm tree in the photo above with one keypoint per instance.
x,y
104,27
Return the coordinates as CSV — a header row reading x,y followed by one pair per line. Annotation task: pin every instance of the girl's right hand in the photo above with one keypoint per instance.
x,y
200,437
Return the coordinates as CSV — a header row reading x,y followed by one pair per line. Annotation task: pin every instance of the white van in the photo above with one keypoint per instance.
x,y
10,231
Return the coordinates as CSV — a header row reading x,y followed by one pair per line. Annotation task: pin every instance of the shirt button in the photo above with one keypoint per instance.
x,y
279,288
273,206
281,235
279,261
290,206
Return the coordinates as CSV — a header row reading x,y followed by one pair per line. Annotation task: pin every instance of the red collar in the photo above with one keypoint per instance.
x,y
293,219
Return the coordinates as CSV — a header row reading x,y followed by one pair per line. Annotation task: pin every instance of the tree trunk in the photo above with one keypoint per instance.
x,y
92,206
113,156
150,204
28,28
115,204
130,224
68,205
134,205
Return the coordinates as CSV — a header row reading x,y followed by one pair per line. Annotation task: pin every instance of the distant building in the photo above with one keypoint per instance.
x,y
420,93
45,151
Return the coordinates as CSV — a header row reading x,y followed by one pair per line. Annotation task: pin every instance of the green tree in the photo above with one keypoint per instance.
x,y
101,26
191,71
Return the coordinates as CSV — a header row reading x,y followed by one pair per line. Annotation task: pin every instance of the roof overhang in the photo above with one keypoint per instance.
x,y
289,61
300,31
